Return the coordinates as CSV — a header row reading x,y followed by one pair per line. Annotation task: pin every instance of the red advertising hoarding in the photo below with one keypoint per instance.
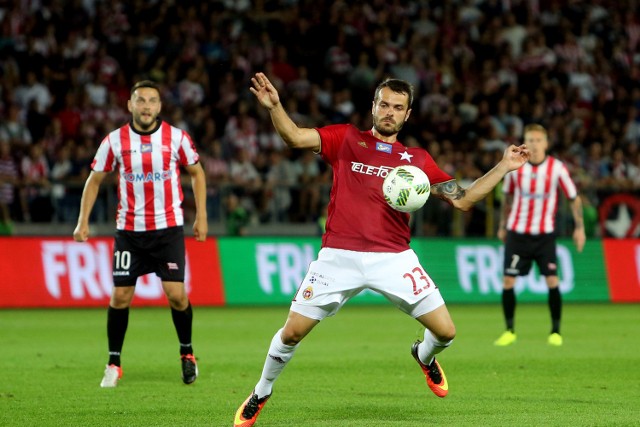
x,y
59,272
623,269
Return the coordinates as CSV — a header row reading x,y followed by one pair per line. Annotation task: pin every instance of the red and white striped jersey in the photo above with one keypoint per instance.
x,y
535,195
149,190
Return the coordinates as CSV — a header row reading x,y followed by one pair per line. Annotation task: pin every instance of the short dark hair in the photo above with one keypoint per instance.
x,y
398,86
145,83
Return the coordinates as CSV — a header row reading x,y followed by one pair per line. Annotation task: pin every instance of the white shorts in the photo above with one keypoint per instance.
x,y
338,275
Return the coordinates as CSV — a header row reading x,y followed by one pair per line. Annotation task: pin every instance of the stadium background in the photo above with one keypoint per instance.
x,y
482,70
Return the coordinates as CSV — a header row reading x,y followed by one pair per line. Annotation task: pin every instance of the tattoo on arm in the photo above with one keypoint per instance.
x,y
449,190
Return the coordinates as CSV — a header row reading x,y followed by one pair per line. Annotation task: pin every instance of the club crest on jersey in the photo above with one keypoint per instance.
x,y
384,147
307,293
146,148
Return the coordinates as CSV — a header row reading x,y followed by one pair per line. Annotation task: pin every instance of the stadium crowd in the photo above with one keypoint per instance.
x,y
482,69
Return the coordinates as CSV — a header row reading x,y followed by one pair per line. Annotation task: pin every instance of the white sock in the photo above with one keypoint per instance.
x,y
277,358
430,347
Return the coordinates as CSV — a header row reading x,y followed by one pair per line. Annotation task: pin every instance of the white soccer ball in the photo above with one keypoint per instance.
x,y
406,188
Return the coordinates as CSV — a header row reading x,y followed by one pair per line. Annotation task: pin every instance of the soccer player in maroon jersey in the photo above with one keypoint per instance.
x,y
366,242
527,226
147,153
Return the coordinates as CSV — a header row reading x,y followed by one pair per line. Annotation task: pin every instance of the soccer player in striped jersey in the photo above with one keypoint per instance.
x,y
527,227
366,242
148,154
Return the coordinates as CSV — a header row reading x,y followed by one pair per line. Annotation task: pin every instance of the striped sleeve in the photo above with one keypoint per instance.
x,y
188,155
104,160
566,183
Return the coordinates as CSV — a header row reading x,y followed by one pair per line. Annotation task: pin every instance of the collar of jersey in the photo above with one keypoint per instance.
x,y
155,128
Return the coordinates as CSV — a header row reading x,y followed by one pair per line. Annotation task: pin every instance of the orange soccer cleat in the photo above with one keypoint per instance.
x,y
436,380
248,412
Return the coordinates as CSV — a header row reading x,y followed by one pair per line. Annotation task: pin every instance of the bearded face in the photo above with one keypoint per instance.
x,y
144,106
390,111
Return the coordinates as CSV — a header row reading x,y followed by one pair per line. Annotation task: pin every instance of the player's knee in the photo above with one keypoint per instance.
x,y
178,302
177,298
290,337
121,297
509,282
447,334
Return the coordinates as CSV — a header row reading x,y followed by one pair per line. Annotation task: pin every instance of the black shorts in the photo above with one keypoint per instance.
x,y
520,250
136,253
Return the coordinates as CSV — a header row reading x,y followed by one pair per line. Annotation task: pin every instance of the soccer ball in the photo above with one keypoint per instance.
x,y
406,188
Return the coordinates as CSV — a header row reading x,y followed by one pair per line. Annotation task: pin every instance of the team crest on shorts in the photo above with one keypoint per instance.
x,y
307,293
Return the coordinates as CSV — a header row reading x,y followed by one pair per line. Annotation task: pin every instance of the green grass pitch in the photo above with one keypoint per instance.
x,y
354,369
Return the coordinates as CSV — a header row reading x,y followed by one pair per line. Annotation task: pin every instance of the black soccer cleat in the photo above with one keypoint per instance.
x,y
189,368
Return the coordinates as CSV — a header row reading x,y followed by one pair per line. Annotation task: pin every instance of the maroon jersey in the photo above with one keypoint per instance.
x,y
359,219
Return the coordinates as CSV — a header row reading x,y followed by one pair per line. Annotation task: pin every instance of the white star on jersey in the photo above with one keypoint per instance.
x,y
406,156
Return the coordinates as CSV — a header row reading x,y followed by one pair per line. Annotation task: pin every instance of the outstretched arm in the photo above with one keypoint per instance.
x,y
464,198
293,136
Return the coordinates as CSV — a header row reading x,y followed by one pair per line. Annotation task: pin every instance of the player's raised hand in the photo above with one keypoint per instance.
x,y
264,91
515,156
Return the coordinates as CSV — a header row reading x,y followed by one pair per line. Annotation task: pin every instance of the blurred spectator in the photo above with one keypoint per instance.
x,y
217,173
363,79
81,158
280,179
513,33
33,90
236,216
60,172
307,171
14,131
281,66
245,180
241,131
300,86
36,191
570,52
9,180
36,121
338,59
69,116
96,90
631,127
596,164
268,138
191,89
